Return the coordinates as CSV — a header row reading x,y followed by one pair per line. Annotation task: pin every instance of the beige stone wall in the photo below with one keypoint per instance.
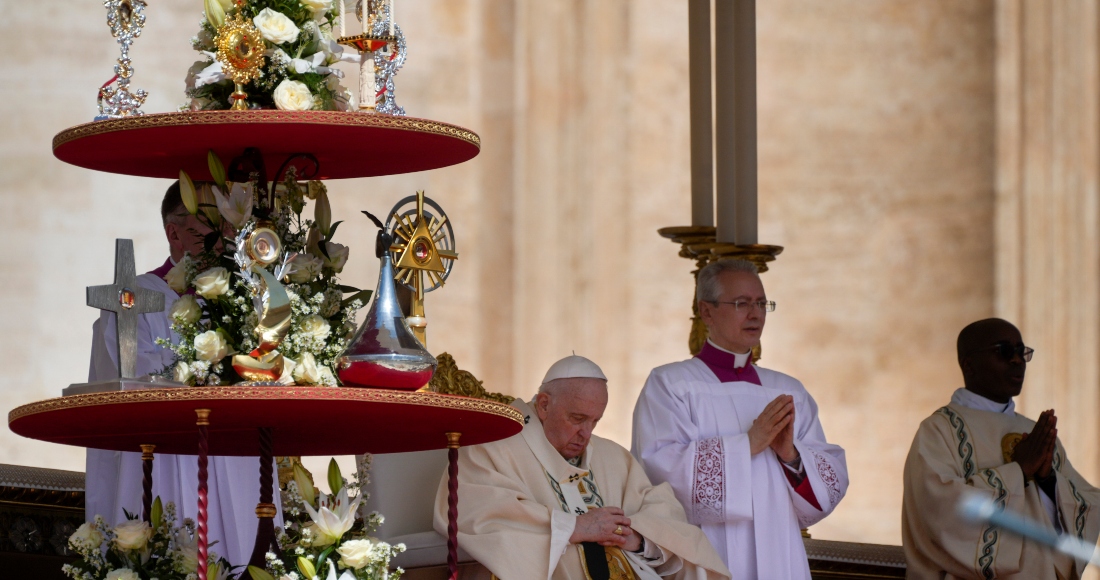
x,y
876,174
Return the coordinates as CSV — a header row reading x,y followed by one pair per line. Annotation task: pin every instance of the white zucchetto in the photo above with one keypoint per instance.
x,y
573,367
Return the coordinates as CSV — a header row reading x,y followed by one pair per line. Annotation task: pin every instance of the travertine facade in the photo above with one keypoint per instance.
x,y
878,160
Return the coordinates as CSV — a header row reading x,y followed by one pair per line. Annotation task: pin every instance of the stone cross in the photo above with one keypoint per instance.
x,y
127,301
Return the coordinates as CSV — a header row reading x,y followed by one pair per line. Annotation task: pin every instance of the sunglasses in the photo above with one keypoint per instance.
x,y
1008,351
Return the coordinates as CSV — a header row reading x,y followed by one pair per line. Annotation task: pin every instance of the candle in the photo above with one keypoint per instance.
x,y
367,96
393,19
702,151
735,120
343,18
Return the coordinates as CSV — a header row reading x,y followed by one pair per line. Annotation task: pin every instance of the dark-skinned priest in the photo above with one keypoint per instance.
x,y
557,502
741,445
978,444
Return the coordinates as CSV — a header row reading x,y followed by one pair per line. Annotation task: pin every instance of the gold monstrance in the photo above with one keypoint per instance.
x,y
423,247
241,52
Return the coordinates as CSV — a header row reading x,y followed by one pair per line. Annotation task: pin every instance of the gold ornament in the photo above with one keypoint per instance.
x,y
419,252
241,52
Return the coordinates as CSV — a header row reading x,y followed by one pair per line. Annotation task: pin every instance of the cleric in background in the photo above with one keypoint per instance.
x,y
554,501
113,478
977,444
741,445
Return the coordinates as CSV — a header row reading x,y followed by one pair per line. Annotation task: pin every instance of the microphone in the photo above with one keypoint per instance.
x,y
981,510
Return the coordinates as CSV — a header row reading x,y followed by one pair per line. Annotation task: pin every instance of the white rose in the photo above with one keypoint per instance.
x,y
177,276
132,535
314,327
122,574
185,310
275,27
318,6
304,268
292,96
210,346
212,283
305,372
181,373
355,553
337,256
86,535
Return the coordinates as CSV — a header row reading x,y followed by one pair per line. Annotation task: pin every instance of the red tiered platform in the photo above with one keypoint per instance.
x,y
346,145
262,421
303,420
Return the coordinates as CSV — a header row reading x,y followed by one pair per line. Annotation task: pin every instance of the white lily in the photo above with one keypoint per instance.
x,y
236,208
333,518
347,575
210,74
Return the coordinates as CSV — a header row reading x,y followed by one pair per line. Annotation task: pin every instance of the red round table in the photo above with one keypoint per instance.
x,y
263,421
346,144
303,420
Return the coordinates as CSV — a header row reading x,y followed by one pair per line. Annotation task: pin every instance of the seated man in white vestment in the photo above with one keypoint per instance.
x,y
978,444
555,501
741,445
113,477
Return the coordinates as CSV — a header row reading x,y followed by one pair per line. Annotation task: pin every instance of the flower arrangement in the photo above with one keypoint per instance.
x,y
324,536
136,550
299,47
223,291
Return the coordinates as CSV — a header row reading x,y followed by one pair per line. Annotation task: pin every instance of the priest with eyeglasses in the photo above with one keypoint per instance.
x,y
978,444
741,445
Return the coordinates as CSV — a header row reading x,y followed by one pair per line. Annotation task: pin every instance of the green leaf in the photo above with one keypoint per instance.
x,y
324,556
259,573
217,169
210,240
363,296
346,289
332,231
335,480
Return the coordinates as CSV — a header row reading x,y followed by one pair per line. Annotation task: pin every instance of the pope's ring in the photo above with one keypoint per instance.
x,y
619,531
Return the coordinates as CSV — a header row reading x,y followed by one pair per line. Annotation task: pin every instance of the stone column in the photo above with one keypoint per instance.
x,y
1047,218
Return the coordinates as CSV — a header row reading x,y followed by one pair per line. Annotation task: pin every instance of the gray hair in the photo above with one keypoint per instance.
x,y
707,286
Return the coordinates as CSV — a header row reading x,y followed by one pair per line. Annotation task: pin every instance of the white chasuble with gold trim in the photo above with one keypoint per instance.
x,y
519,501
961,450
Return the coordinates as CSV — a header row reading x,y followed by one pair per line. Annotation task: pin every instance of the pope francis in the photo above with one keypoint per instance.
x,y
557,502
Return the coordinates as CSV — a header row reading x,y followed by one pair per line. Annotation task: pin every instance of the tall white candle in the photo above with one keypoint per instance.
x,y
393,19
343,18
735,120
367,88
702,119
